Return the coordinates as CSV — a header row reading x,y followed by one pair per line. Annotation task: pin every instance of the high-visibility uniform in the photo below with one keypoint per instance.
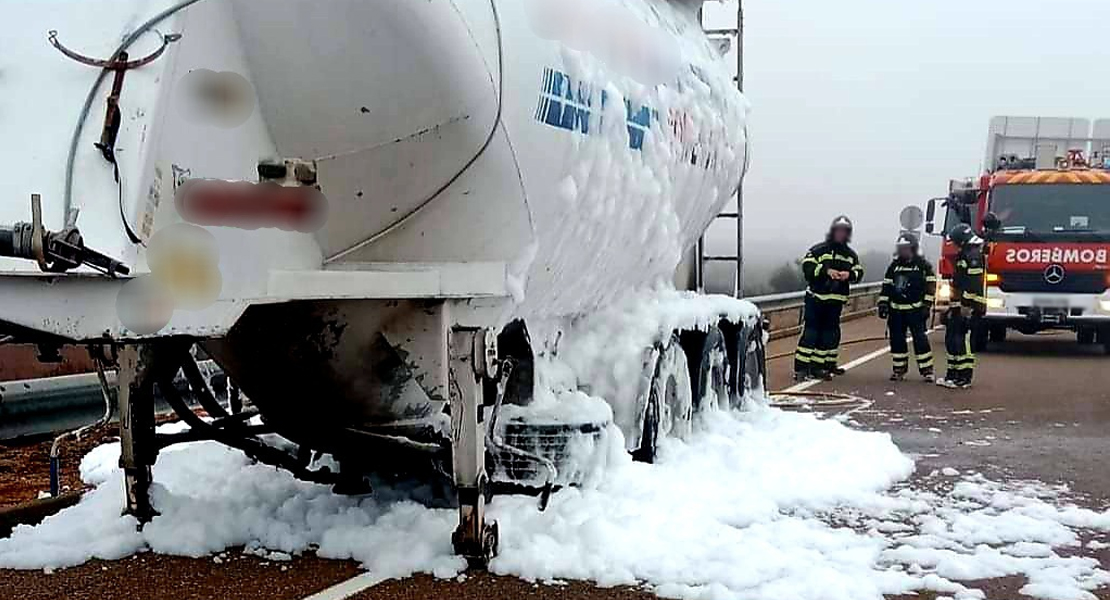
x,y
819,347
906,300
969,301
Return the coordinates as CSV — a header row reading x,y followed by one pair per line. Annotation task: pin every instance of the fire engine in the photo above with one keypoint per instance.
x,y
1043,207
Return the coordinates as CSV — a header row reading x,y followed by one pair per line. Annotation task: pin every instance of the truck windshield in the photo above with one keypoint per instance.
x,y
1053,208
955,214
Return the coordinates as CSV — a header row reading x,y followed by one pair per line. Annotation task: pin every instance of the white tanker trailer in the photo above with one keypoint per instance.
x,y
378,217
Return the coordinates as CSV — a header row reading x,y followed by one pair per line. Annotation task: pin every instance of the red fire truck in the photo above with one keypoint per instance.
x,y
1043,205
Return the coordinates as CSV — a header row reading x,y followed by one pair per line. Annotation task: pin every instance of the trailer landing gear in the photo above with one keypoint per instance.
x,y
473,369
140,366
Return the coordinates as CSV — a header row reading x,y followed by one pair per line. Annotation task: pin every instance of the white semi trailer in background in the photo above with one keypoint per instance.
x,y
387,221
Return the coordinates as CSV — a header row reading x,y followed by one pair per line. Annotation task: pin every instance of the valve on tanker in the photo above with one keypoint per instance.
x,y
289,172
54,251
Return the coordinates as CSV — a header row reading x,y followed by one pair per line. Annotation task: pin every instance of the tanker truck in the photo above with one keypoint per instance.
x,y
411,233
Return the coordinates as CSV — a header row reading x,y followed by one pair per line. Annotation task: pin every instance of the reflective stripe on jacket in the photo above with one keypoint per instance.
x,y
828,256
908,285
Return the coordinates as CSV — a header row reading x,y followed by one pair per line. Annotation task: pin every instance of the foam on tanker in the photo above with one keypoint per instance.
x,y
632,214
606,349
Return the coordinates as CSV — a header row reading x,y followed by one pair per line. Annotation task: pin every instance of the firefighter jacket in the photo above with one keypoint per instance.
x,y
908,284
969,287
830,256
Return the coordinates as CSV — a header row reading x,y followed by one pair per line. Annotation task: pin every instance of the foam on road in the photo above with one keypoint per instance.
x,y
765,504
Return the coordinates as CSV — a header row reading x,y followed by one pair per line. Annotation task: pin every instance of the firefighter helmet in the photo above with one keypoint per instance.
x,y
962,235
841,222
908,240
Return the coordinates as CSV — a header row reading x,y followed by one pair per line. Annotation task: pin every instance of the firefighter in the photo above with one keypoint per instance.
x,y
905,302
968,302
829,268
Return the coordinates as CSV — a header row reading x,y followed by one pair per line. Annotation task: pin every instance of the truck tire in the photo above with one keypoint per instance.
x,y
707,355
980,335
669,407
752,354
1085,336
1104,338
998,333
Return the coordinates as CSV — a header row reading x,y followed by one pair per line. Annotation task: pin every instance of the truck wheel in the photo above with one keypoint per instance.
x,y
1104,338
1085,336
998,333
979,336
709,368
751,363
669,407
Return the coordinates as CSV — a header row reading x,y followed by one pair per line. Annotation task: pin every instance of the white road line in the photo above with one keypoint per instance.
x,y
346,589
805,385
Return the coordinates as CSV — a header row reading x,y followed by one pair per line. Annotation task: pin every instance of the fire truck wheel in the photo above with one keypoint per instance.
x,y
979,337
1085,335
998,333
1104,338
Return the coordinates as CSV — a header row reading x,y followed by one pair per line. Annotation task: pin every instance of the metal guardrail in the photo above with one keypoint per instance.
x,y
36,407
786,311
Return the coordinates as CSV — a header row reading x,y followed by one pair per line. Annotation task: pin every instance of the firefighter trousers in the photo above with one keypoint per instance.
x,y
957,343
909,322
819,347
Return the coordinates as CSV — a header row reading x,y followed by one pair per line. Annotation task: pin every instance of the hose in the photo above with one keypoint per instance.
x,y
811,399
84,115
251,446
807,398
200,387
56,447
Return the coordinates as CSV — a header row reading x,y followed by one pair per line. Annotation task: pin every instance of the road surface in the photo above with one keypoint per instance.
x,y
1040,409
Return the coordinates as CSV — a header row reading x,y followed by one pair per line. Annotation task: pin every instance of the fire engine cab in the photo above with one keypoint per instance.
x,y
1043,207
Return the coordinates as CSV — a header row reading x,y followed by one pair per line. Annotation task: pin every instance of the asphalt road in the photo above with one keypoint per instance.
x,y
1040,409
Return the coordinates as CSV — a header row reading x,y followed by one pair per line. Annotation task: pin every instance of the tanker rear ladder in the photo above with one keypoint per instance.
x,y
702,258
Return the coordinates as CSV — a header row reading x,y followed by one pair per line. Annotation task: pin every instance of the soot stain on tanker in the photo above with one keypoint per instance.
x,y
393,370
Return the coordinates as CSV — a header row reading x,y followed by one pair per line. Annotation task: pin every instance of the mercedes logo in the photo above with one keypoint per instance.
x,y
1054,274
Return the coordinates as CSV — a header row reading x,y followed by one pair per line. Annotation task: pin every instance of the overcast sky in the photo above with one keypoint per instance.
x,y
865,106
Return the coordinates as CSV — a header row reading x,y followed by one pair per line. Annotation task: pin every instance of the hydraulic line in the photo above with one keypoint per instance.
x,y
56,447
84,115
200,387
251,446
